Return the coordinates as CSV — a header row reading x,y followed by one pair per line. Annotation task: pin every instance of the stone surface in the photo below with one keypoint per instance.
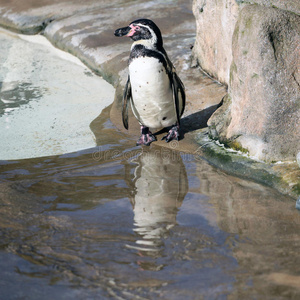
x,y
30,17
287,5
264,78
265,83
90,37
215,25
216,22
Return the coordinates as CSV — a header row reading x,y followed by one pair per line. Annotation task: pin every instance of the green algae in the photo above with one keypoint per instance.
x,y
235,145
238,164
296,189
233,69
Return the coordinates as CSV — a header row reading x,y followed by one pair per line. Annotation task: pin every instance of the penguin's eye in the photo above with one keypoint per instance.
x,y
145,32
140,33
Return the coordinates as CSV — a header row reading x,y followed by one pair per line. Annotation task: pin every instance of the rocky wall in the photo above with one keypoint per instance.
x,y
254,47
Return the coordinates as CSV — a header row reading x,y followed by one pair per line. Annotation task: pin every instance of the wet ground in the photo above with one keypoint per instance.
x,y
122,222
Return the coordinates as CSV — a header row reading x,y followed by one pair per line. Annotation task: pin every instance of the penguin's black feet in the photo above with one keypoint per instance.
x,y
146,137
173,134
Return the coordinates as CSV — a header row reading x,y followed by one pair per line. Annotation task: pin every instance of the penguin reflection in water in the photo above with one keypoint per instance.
x,y
158,187
153,88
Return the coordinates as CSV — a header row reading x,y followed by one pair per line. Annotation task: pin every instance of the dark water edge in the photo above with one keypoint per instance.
x,y
122,222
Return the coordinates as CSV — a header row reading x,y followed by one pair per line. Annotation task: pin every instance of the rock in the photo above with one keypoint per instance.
x,y
216,125
265,83
264,79
287,5
215,25
215,22
33,16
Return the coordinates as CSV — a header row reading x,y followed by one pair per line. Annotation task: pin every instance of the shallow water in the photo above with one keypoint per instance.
x,y
42,91
122,222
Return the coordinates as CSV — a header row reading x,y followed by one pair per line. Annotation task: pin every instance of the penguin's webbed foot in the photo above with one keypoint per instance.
x,y
173,134
146,137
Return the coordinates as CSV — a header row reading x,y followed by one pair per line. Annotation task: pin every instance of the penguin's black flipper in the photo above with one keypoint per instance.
x,y
126,100
179,95
177,87
182,92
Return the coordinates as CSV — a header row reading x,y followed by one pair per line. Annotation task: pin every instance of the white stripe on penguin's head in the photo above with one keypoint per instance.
x,y
145,31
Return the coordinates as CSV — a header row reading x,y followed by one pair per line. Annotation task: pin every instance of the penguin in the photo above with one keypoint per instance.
x,y
153,88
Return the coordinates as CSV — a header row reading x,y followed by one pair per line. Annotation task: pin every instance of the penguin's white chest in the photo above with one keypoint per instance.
x,y
152,96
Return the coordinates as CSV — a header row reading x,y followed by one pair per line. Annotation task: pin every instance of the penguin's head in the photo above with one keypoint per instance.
x,y
142,30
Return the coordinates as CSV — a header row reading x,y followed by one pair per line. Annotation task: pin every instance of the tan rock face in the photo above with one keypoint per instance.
x,y
265,85
215,22
262,110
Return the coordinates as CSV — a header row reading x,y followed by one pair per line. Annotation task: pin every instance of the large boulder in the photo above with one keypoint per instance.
x,y
262,110
265,83
215,22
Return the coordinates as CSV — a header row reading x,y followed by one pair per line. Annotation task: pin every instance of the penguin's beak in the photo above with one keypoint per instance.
x,y
123,31
128,31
